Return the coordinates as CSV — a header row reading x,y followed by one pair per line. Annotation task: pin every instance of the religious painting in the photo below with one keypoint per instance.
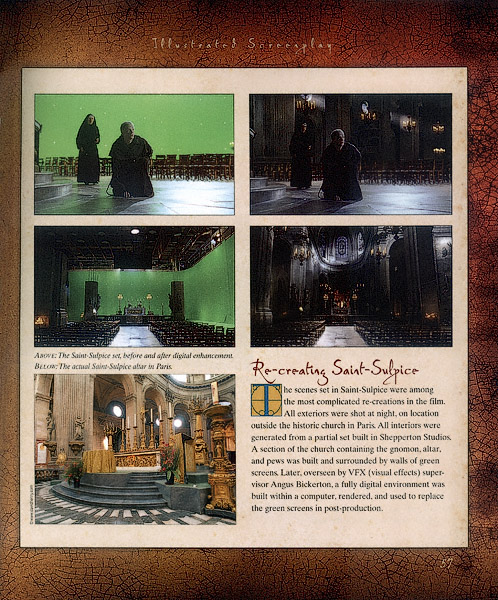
x,y
134,286
126,449
134,154
351,154
351,286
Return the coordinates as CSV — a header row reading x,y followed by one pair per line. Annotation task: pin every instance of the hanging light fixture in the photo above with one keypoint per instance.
x,y
408,124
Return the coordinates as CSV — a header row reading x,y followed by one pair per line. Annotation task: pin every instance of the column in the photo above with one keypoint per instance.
x,y
73,399
261,266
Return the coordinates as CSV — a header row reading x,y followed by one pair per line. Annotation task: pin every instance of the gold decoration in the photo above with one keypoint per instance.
x,y
222,480
138,459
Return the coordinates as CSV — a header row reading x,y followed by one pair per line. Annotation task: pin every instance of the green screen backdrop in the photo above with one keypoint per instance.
x,y
208,288
171,123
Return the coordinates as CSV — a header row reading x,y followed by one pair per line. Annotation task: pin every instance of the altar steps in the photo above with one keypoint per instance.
x,y
141,492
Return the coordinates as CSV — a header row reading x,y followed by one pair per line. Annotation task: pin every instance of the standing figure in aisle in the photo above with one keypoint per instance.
x,y
88,159
301,145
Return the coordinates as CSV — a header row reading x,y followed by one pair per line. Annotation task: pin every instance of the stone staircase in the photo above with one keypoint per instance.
x,y
263,191
116,490
46,188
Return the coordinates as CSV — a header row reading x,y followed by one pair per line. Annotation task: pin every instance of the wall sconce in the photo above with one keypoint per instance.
x,y
437,128
439,151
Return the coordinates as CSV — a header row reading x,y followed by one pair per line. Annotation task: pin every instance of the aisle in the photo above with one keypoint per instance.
x,y
134,336
340,336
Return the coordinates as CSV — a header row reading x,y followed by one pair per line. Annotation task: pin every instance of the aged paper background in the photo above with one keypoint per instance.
x,y
361,34
400,524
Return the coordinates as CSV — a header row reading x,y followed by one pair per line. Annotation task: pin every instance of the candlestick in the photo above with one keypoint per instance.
x,y
135,438
151,439
161,436
128,446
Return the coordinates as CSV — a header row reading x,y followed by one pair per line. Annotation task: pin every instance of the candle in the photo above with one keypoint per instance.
x,y
135,420
128,422
169,410
151,417
122,423
160,415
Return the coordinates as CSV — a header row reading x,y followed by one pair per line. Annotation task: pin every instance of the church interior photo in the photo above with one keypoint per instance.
x,y
134,286
404,140
351,286
190,164
135,449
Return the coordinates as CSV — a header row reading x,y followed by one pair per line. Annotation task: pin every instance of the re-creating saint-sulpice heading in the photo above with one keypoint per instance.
x,y
389,370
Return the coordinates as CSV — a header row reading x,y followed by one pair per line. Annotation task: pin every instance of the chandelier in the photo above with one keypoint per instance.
x,y
408,124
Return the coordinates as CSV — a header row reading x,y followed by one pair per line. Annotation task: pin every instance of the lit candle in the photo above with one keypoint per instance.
x,y
135,420
160,415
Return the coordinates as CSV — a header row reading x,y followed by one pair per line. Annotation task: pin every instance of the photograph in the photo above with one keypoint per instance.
x,y
355,154
134,286
134,154
114,449
351,286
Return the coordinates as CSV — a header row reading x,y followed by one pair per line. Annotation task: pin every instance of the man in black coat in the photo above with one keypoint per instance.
x,y
130,164
341,162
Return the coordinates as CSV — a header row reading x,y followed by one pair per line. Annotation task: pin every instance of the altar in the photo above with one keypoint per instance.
x,y
99,461
134,314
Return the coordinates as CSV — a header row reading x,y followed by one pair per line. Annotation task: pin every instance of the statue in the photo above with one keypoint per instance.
x,y
79,425
50,426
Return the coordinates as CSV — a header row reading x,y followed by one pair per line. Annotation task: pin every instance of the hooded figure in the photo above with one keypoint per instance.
x,y
88,160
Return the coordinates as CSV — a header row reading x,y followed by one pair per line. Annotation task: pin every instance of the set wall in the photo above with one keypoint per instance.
x,y
172,123
209,288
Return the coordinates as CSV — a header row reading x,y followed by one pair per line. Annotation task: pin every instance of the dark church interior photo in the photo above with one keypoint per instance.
x,y
404,140
179,159
134,286
135,449
349,286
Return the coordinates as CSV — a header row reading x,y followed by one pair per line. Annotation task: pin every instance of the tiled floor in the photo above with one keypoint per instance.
x,y
378,199
170,198
53,510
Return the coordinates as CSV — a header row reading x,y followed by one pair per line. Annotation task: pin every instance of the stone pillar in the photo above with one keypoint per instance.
x,y
261,266
91,300
42,404
177,301
413,308
73,399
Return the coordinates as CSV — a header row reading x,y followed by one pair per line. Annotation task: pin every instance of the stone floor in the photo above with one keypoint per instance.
x,y
134,336
170,198
340,336
49,509
378,199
